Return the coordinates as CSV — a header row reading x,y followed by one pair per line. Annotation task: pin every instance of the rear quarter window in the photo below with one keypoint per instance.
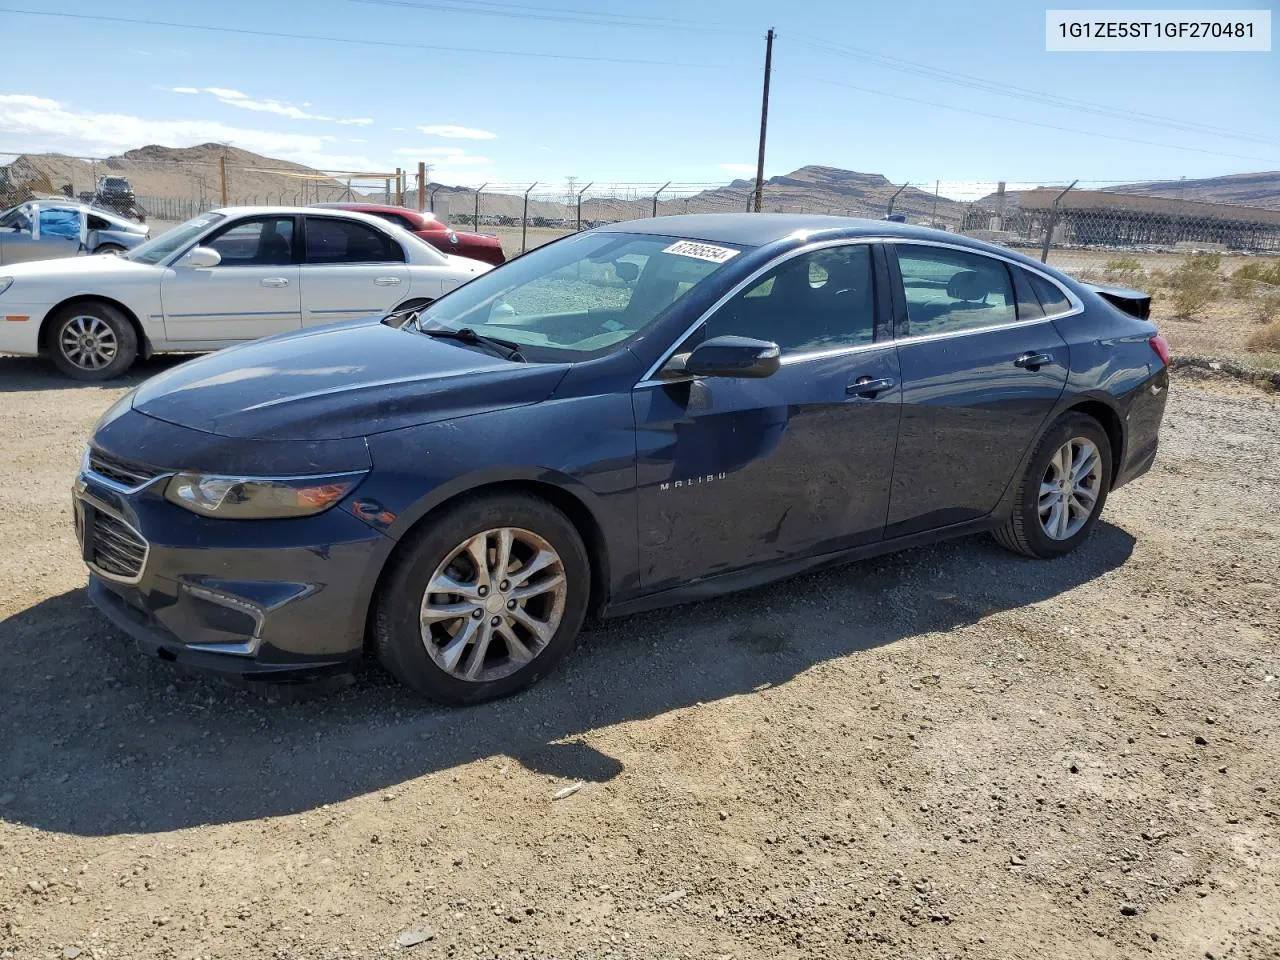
x,y
1051,296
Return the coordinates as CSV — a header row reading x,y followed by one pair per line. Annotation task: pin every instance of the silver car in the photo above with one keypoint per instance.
x,y
47,229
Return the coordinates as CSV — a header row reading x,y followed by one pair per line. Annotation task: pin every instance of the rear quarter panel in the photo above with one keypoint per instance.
x,y
1113,362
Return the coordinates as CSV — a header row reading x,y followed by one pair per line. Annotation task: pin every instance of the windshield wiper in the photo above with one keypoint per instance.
x,y
507,349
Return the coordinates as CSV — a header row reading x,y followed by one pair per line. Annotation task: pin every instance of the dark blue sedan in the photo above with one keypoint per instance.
x,y
639,415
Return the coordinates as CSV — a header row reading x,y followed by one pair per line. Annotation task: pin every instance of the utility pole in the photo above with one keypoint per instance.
x,y
933,217
222,174
764,118
1053,219
422,186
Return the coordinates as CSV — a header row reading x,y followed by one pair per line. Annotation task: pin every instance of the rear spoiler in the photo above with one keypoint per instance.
x,y
1133,302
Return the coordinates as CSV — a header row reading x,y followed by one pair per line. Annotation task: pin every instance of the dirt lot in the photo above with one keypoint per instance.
x,y
951,752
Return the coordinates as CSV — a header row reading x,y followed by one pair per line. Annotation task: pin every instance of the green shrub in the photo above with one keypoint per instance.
x,y
1125,270
1194,283
1267,309
1266,271
1266,339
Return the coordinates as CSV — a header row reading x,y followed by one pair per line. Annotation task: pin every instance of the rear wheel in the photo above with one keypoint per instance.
x,y
92,341
485,599
1063,490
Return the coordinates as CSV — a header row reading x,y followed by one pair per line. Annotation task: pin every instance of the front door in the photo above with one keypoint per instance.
x,y
978,382
351,269
34,233
252,293
734,472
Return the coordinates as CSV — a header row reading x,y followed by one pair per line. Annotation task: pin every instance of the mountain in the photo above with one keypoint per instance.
x,y
181,173
820,189
1252,189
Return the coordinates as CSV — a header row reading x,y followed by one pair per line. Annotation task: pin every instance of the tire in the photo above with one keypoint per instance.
x,y
111,248
1027,530
416,633
103,331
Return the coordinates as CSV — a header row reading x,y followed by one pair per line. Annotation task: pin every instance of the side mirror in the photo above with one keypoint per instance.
x,y
733,357
198,257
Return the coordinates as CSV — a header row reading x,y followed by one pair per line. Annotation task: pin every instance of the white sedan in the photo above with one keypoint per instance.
x,y
223,278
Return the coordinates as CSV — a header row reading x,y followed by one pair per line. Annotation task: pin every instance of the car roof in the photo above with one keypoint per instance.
x,y
372,208
293,211
760,229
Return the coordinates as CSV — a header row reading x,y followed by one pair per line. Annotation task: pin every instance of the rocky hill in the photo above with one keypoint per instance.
x,y
180,173
1252,189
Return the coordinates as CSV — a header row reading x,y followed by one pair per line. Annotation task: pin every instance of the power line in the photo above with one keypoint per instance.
x,y
1037,123
557,15
399,44
1022,93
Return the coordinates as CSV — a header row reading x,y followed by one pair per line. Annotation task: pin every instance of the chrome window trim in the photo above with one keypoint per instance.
x,y
648,379
1077,305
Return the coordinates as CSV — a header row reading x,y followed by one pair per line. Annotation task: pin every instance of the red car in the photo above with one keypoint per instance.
x,y
476,246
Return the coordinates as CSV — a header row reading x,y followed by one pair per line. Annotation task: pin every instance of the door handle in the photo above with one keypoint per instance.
x,y
387,281
274,282
868,387
1033,361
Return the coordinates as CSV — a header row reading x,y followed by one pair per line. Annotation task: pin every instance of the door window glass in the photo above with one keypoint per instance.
x,y
60,223
816,301
347,241
949,290
1051,297
267,241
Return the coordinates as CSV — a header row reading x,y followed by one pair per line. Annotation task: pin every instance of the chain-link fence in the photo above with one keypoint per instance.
x,y
1056,222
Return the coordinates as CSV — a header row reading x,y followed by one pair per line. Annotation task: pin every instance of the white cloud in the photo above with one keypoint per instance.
x,y
452,132
452,156
738,167
48,125
235,98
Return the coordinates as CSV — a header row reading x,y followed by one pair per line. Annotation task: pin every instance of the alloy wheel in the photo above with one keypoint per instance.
x,y
1069,488
493,604
89,342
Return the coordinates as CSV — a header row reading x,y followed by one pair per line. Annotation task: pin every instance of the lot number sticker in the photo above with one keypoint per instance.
x,y
701,251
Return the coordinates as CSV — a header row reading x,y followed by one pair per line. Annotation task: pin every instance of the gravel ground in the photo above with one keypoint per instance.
x,y
952,752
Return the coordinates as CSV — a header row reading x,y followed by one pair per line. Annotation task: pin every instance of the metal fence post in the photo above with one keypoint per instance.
x,y
580,193
1048,227
524,219
475,217
655,197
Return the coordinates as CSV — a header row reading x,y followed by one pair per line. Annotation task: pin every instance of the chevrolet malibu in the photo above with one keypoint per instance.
x,y
639,415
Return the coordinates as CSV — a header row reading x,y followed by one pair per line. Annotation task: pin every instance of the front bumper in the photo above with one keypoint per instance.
x,y
267,599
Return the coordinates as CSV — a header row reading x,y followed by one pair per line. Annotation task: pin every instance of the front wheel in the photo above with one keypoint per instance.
x,y
1063,490
483,600
92,341
110,248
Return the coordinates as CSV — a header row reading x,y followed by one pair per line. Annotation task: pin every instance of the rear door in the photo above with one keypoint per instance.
x,y
350,269
735,472
252,293
980,375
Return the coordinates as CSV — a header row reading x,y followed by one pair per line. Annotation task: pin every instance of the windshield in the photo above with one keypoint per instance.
x,y
157,248
579,297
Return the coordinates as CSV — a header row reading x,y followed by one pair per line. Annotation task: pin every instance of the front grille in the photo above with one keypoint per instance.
x,y
114,548
121,471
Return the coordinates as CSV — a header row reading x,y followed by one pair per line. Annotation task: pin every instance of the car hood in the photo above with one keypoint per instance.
x,y
78,267
345,380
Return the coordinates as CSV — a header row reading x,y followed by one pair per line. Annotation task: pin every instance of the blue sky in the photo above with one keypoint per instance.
x,y
691,116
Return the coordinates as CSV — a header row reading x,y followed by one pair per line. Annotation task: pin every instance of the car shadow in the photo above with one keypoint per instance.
x,y
24,374
96,739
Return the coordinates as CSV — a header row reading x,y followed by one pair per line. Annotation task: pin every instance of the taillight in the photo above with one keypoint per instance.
x,y
1161,346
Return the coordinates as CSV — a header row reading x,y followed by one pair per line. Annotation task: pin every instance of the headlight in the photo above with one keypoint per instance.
x,y
258,498
5,283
